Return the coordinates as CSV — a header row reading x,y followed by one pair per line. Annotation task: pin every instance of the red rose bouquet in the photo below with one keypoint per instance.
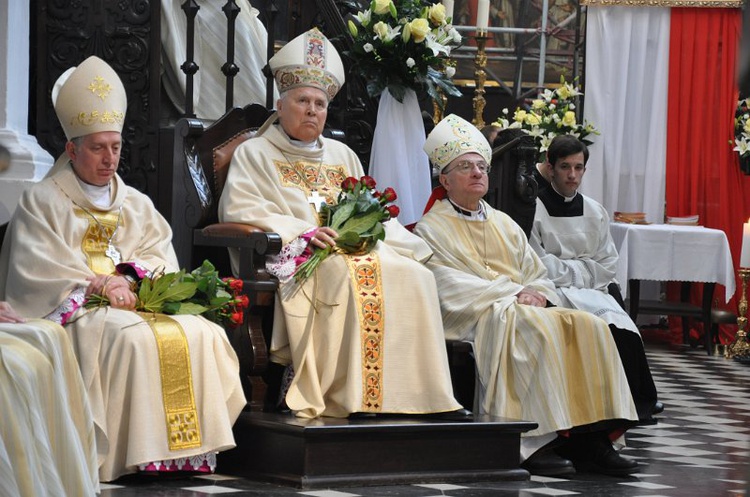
x,y
200,291
357,217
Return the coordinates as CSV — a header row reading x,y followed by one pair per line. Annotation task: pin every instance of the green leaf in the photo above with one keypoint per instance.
x,y
189,308
363,223
348,238
343,213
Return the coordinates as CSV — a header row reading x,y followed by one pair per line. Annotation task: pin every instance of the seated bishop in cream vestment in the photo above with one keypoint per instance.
x,y
47,443
164,390
364,332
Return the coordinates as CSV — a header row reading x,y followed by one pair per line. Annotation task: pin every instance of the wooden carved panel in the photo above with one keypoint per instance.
x,y
125,33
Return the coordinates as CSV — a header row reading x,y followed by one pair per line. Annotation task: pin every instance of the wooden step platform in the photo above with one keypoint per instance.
x,y
381,450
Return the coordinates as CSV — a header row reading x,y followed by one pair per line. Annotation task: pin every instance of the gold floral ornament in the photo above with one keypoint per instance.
x,y
552,113
742,128
100,87
403,44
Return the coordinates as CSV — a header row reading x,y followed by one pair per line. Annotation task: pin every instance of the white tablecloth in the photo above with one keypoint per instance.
x,y
664,252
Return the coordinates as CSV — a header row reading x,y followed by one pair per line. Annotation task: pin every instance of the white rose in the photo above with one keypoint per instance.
x,y
410,62
381,6
367,47
381,30
450,71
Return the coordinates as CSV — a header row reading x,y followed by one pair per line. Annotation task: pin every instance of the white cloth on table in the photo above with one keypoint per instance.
x,y
664,252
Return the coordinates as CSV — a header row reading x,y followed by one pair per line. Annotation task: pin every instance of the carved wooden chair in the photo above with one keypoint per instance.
x,y
201,159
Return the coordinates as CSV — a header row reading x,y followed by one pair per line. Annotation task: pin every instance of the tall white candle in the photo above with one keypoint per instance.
x,y
448,4
483,15
745,256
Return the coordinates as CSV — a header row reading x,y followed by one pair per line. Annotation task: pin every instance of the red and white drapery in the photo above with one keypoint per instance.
x,y
661,86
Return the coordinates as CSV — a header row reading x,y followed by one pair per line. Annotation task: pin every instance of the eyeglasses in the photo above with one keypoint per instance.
x,y
466,167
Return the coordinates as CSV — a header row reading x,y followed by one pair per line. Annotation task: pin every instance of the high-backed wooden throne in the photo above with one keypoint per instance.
x,y
201,161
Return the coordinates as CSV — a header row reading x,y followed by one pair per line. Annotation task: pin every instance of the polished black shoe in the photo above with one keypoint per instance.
x,y
457,415
605,460
658,408
548,463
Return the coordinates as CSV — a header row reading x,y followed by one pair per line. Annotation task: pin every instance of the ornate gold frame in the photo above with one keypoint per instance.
x,y
665,3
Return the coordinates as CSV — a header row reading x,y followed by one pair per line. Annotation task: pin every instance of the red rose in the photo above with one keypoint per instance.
x,y
236,318
368,181
235,285
393,210
389,194
243,301
349,184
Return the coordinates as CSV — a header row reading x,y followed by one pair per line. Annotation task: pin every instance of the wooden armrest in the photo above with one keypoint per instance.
x,y
230,229
238,235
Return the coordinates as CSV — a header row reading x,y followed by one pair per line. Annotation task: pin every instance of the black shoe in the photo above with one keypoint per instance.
x,y
547,463
658,408
457,415
605,460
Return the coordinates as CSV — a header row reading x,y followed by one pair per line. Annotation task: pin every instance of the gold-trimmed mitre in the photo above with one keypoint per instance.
x,y
308,60
89,98
452,137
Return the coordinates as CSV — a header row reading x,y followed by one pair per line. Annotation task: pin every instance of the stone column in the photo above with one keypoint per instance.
x,y
22,161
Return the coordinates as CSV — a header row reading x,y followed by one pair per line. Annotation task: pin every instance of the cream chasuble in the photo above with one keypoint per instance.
x,y
363,333
47,441
130,367
557,367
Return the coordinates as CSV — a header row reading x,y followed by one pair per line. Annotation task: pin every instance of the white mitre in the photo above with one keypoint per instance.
x,y
89,98
452,137
308,60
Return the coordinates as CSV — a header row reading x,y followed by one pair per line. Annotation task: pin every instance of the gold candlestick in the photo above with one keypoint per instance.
x,y
739,348
480,76
438,106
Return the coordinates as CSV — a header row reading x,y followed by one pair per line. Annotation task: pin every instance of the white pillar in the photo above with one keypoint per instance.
x,y
28,161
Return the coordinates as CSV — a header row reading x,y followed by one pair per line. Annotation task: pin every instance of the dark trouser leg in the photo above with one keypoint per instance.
x,y
635,364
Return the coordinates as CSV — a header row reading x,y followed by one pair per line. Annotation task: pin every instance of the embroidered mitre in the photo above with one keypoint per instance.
x,y
454,136
89,98
308,60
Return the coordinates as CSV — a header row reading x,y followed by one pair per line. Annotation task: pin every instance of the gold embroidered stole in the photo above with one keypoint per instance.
x,y
96,239
183,426
366,275
311,176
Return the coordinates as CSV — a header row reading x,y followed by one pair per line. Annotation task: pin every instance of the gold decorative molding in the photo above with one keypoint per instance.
x,y
665,3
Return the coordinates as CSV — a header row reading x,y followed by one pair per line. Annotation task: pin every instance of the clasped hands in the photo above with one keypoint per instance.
x,y
531,297
115,288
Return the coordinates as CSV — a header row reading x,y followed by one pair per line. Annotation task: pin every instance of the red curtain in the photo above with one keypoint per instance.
x,y
702,174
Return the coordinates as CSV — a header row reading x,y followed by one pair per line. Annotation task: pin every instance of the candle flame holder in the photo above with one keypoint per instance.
x,y
480,77
739,349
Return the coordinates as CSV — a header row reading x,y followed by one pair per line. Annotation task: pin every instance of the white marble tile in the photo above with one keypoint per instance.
x,y
213,490
440,486
671,441
682,451
645,485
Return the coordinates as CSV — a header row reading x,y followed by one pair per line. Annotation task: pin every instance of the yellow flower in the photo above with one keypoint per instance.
x,y
519,116
419,29
381,30
532,119
564,92
569,119
380,7
538,104
436,14
352,28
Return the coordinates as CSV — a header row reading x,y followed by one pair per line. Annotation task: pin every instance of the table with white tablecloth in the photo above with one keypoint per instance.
x,y
664,252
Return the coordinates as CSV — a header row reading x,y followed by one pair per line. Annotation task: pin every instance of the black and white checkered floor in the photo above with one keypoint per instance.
x,y
700,447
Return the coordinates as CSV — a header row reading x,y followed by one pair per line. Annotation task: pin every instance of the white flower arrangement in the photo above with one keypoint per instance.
x,y
742,128
404,44
549,115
